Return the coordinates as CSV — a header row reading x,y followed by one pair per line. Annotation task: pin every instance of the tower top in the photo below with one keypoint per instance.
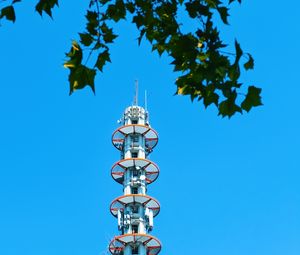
x,y
135,115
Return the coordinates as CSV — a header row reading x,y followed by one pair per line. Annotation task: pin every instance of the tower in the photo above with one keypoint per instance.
x,y
135,210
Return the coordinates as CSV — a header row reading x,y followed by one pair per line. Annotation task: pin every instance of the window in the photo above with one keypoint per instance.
x,y
134,154
135,250
135,209
135,173
134,190
135,230
135,138
134,121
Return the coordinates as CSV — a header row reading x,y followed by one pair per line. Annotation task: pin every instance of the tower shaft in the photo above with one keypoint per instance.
x,y
135,210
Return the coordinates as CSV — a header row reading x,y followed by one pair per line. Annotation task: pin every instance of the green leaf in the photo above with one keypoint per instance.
x,y
75,56
138,20
223,11
250,63
213,3
234,72
228,107
92,16
117,11
142,32
80,77
92,23
9,13
211,98
86,39
238,51
102,59
108,35
252,99
160,48
46,6
103,2
196,9
130,7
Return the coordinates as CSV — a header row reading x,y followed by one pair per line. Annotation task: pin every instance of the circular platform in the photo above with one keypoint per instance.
x,y
118,244
151,136
119,168
120,202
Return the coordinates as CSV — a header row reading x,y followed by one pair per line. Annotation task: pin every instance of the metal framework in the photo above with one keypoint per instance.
x,y
150,135
135,210
119,243
119,168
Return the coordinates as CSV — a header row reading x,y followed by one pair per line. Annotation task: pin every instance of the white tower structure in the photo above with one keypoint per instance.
x,y
135,210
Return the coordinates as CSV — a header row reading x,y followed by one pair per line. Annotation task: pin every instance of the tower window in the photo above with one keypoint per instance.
x,y
135,230
135,173
134,154
134,121
135,138
135,209
135,250
134,190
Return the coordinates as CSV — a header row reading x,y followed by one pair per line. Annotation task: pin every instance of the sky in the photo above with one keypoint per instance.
x,y
226,187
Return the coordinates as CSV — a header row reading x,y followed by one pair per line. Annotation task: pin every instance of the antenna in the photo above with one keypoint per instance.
x,y
146,109
146,106
136,92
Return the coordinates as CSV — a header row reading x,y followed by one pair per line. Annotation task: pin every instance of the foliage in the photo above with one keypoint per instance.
x,y
207,73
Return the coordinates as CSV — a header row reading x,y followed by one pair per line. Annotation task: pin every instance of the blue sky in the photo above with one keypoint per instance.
x,y
226,187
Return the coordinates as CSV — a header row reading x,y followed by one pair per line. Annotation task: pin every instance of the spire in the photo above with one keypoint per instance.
x,y
136,93
146,99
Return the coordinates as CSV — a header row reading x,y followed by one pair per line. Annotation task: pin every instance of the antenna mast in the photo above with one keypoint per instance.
x,y
136,92
146,106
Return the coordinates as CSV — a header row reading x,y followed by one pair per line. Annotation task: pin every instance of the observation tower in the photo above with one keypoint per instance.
x,y
135,210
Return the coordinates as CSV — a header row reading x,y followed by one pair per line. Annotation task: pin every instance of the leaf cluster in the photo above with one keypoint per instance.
x,y
96,38
207,73
8,11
